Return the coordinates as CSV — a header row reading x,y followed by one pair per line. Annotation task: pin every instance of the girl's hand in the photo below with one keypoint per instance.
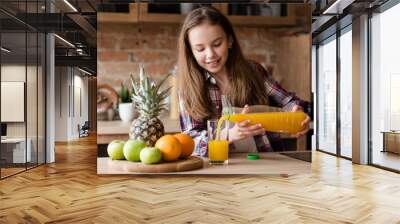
x,y
305,123
243,129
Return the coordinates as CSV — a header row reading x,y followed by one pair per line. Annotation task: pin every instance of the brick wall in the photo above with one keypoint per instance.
x,y
122,47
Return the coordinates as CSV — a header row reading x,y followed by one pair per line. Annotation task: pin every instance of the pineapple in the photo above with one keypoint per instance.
x,y
148,100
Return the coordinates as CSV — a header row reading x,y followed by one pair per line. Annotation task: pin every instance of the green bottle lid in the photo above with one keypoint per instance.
x,y
253,156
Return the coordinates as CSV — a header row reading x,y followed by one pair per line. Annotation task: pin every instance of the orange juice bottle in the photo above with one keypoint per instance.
x,y
283,122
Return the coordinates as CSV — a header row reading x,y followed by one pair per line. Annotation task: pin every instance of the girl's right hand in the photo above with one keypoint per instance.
x,y
243,129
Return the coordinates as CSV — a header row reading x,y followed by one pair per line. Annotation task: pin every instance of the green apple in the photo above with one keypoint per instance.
x,y
109,146
132,149
115,149
150,155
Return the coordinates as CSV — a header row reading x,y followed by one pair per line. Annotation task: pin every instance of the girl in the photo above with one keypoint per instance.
x,y
211,64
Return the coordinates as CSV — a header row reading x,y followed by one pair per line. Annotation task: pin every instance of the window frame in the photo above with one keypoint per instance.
x,y
332,33
378,10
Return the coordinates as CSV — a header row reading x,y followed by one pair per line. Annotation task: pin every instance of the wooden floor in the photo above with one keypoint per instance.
x,y
70,191
10,171
387,159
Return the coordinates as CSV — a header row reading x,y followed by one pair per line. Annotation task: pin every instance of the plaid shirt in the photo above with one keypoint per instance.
x,y
197,129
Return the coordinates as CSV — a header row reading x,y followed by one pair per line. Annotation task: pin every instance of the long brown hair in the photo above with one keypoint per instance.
x,y
247,84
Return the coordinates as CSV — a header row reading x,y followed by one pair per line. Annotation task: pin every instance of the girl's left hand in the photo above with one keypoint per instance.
x,y
243,129
305,123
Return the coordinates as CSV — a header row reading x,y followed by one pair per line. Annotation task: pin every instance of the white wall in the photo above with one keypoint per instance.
x,y
71,102
16,73
79,102
33,126
61,103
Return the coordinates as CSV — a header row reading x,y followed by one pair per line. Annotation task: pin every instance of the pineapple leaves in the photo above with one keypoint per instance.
x,y
147,95
164,94
162,81
135,88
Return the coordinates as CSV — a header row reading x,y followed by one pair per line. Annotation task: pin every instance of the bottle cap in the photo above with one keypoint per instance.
x,y
253,156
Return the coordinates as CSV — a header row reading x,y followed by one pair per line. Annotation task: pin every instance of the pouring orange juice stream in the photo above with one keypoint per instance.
x,y
283,122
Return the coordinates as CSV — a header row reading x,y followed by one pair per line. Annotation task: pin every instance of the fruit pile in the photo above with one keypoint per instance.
x,y
168,148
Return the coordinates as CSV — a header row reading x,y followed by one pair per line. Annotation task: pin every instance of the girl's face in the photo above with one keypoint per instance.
x,y
209,45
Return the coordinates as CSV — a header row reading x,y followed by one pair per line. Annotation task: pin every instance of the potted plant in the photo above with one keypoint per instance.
x,y
126,112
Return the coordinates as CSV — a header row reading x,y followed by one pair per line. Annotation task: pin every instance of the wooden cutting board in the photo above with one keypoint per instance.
x,y
191,163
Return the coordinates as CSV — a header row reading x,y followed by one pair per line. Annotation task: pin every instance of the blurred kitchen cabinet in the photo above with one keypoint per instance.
x,y
257,14
160,13
260,14
269,14
131,16
167,13
175,13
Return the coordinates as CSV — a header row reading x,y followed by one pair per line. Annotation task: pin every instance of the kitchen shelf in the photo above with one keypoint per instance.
x,y
115,17
146,16
139,12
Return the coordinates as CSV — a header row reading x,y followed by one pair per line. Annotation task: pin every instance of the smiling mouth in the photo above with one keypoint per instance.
x,y
214,62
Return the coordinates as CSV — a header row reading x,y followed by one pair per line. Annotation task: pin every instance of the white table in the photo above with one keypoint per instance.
x,y
268,164
19,155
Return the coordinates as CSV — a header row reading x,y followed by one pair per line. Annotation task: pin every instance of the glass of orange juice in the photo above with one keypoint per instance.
x,y
218,142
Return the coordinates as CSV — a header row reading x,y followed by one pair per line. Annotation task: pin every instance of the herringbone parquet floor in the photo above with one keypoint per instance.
x,y
70,191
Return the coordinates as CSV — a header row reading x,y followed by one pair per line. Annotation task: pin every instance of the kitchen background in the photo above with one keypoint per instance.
x,y
279,39
123,46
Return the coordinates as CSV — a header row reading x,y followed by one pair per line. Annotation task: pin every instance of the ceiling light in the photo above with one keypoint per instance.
x,y
84,71
65,41
80,51
337,7
5,50
70,5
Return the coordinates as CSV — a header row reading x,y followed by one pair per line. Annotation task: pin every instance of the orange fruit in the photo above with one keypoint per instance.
x,y
170,147
187,144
